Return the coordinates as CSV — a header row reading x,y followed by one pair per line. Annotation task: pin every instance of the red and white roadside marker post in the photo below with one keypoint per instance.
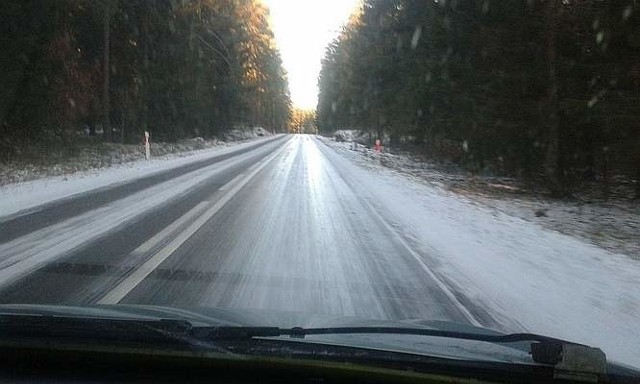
x,y
377,150
147,148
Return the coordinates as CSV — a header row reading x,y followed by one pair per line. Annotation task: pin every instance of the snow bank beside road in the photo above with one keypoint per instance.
x,y
245,134
527,277
21,196
351,135
83,154
613,225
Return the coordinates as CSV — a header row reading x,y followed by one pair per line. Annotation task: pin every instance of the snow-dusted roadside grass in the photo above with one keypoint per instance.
x,y
16,197
614,226
41,161
87,156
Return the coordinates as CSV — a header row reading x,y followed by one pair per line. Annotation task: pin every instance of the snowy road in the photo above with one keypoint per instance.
x,y
292,225
295,237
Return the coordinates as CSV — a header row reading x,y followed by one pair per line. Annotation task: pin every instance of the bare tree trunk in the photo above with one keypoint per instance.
x,y
106,108
553,136
637,196
273,115
606,173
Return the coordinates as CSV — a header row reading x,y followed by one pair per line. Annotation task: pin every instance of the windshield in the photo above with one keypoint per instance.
x,y
470,162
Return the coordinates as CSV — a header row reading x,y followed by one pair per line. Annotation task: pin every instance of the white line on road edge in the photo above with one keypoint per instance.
x,y
135,278
445,288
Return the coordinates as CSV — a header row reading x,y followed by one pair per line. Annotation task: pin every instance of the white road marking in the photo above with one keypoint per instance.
x,y
135,278
401,240
232,182
157,239
167,231
26,254
444,287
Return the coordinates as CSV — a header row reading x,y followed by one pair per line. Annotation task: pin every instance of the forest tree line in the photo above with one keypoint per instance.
x,y
302,121
547,90
175,68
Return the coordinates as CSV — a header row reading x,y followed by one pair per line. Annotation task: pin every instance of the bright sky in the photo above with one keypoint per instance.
x,y
303,29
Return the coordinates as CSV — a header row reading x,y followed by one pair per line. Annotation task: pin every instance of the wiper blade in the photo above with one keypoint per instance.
x,y
572,361
249,332
127,328
543,349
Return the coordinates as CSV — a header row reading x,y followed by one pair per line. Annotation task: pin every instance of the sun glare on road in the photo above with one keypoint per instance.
x,y
303,29
314,162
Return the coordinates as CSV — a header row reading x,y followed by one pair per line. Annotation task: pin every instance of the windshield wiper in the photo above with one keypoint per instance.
x,y
571,360
296,332
124,329
543,349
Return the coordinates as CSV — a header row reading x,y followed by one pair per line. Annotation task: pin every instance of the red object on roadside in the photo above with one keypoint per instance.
x,y
378,145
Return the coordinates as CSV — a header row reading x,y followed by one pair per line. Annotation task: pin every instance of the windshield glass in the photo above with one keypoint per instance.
x,y
459,163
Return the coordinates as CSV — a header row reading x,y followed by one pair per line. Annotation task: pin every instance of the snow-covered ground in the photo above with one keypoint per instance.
x,y
613,225
27,253
21,196
85,154
526,276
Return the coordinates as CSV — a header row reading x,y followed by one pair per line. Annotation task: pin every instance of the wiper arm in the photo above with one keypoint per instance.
x,y
249,332
185,331
571,360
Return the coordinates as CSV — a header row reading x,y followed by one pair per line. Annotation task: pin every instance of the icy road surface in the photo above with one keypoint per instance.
x,y
291,225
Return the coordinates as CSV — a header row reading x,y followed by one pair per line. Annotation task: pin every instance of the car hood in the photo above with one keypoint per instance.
x,y
204,316
437,347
